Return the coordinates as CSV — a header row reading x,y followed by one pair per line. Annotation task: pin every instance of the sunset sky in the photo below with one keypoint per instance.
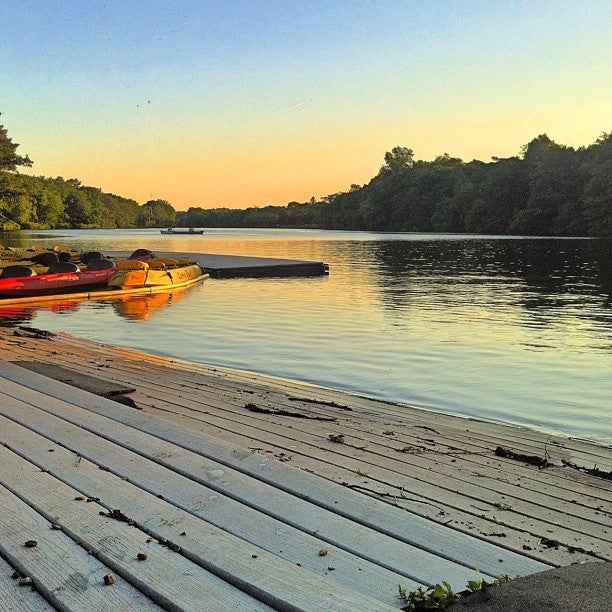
x,y
246,103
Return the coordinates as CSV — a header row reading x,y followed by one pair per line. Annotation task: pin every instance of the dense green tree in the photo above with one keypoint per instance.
x,y
268,216
78,209
211,217
49,209
501,191
434,189
298,214
397,159
449,215
555,185
597,196
549,189
9,160
159,213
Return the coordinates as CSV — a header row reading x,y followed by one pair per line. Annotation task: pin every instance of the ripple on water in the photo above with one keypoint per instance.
x,y
513,330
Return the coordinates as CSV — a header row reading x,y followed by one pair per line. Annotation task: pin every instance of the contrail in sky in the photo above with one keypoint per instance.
x,y
297,105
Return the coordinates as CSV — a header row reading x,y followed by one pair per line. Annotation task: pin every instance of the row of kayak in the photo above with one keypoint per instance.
x,y
48,273
8,254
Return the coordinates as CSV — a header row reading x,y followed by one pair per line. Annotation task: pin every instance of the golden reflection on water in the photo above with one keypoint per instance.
x,y
514,330
131,307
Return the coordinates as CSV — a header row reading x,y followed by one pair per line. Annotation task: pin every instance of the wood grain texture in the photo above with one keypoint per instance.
x,y
14,597
429,483
345,503
62,570
175,517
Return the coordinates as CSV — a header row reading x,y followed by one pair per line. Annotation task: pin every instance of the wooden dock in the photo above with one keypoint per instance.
x,y
234,266
242,266
190,487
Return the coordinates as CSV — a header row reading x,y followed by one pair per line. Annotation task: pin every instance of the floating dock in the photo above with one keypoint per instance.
x,y
213,489
233,266
214,266
242,266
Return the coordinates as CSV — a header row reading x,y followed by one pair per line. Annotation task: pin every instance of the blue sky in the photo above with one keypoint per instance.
x,y
250,103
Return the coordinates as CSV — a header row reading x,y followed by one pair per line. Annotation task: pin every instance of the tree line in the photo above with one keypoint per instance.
x,y
36,202
548,189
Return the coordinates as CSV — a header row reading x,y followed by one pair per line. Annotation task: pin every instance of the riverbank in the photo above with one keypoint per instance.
x,y
506,330
413,497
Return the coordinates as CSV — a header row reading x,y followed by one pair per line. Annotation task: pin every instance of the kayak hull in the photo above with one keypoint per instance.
x,y
151,276
47,284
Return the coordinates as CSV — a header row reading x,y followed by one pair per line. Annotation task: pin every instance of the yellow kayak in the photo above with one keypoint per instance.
x,y
160,272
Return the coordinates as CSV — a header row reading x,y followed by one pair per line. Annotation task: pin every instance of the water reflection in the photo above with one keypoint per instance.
x,y
517,330
540,276
12,316
141,307
130,307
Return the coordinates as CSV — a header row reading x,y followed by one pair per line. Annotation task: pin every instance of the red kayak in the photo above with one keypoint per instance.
x,y
61,277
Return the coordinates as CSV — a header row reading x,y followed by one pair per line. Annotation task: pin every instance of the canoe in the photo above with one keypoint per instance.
x,y
59,277
159,272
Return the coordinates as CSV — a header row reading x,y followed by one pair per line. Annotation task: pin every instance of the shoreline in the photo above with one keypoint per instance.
x,y
394,403
142,478
273,378
437,466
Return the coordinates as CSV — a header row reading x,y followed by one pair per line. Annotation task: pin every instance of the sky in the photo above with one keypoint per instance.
x,y
249,103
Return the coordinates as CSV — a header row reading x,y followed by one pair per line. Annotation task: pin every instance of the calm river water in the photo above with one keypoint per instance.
x,y
517,330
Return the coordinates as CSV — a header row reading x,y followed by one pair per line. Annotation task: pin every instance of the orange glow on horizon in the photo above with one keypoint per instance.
x,y
275,169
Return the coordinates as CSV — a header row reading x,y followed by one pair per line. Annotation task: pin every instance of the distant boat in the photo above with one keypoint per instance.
x,y
178,230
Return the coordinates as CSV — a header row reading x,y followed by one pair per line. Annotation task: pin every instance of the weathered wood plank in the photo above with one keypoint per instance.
x,y
171,578
60,569
524,500
93,384
472,484
380,410
546,445
368,512
223,393
508,540
489,473
18,598
386,410
184,500
445,443
397,556
578,497
459,466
